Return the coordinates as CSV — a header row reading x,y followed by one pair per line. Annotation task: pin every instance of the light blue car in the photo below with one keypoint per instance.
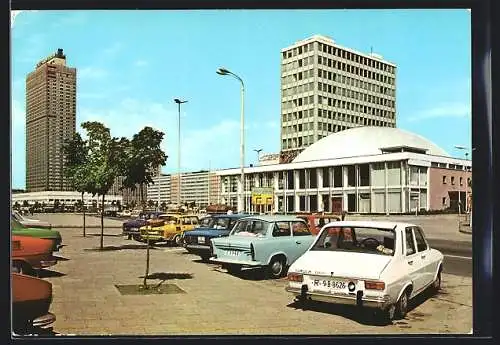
x,y
271,242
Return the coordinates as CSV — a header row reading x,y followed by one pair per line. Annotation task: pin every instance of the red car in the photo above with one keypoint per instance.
x,y
31,299
316,220
31,253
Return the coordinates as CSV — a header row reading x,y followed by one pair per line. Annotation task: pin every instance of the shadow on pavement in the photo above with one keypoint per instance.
x,y
105,235
44,273
168,275
366,316
122,247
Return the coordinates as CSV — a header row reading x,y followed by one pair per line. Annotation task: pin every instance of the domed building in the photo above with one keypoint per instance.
x,y
358,170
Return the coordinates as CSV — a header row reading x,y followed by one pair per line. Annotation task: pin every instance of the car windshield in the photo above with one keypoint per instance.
x,y
17,216
15,224
250,227
220,223
169,219
205,222
356,239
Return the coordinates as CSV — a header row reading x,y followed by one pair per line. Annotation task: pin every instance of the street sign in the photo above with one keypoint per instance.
x,y
262,196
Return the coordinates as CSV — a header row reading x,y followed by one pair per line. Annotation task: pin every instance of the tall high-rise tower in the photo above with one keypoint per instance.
x,y
326,88
50,120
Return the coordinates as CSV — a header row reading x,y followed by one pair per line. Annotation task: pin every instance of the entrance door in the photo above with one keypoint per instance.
x,y
337,204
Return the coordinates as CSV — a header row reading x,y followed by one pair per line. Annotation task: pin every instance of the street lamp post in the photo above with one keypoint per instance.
x,y
223,71
258,154
467,151
179,102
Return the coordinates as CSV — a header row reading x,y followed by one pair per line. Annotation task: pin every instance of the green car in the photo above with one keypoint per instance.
x,y
20,230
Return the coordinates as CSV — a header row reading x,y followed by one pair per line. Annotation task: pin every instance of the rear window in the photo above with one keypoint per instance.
x,y
356,239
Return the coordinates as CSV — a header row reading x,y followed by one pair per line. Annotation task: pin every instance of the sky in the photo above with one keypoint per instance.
x,y
132,64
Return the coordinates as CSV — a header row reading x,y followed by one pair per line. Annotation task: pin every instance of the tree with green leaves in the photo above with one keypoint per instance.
x,y
144,157
76,154
106,156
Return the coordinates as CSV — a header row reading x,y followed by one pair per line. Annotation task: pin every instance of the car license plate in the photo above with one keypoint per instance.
x,y
201,239
232,252
329,285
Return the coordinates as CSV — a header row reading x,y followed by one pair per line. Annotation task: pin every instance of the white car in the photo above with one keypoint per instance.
x,y
380,265
125,213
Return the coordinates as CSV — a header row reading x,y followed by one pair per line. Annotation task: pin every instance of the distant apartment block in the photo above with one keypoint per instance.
x,y
50,120
326,88
201,187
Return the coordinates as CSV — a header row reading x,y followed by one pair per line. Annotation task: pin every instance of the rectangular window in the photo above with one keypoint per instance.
x,y
444,179
410,243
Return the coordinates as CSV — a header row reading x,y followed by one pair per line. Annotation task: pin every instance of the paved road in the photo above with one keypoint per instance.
x,y
457,256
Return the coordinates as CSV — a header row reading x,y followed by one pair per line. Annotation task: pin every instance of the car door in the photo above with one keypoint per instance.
x,y
280,241
428,266
301,239
412,258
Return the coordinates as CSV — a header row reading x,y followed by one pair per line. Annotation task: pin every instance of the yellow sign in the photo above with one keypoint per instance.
x,y
262,196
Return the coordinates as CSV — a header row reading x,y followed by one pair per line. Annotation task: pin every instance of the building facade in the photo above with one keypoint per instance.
x,y
201,187
47,198
360,170
50,120
326,88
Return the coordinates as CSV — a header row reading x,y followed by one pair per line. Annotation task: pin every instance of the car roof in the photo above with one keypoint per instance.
x,y
237,216
274,218
369,223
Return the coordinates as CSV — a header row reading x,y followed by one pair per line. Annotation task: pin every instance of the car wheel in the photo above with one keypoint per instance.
x,y
22,268
387,315
276,267
402,304
436,286
204,258
136,238
177,240
233,269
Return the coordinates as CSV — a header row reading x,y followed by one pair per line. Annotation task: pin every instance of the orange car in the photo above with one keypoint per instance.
x,y
31,253
31,299
316,221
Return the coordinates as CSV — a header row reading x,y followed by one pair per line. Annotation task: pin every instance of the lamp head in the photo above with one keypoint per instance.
x,y
223,71
178,101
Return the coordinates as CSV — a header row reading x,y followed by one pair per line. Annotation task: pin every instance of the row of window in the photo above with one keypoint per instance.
x,y
355,70
341,53
331,127
452,180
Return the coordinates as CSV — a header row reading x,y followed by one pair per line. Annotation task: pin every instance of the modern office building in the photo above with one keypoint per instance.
x,y
50,119
200,187
327,88
359,170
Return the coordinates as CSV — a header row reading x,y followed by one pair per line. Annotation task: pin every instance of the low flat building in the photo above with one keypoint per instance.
x,y
48,198
359,170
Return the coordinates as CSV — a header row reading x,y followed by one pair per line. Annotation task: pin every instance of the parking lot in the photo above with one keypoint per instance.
x,y
86,300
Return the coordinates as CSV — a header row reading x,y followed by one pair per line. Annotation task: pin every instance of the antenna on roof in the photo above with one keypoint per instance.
x,y
371,50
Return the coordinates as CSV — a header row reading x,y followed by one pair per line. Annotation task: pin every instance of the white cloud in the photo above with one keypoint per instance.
x,y
13,15
91,72
449,110
217,143
141,63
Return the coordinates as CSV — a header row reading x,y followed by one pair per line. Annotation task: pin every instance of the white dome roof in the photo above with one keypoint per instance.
x,y
365,141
